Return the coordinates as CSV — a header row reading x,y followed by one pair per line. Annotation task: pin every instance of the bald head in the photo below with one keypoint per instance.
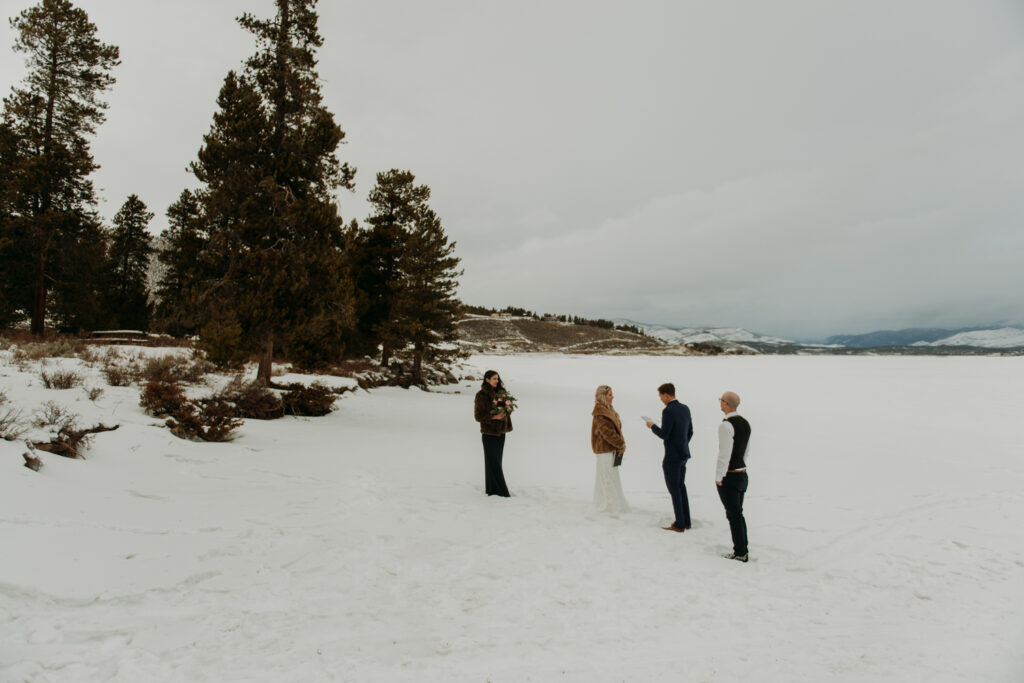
x,y
731,399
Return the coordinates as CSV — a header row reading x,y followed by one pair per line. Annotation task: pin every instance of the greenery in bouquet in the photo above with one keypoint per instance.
x,y
504,402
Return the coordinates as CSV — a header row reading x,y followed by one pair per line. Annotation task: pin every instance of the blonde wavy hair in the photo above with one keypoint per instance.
x,y
601,396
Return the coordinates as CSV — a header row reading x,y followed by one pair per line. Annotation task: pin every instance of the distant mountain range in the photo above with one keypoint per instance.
x,y
991,337
1005,337
506,333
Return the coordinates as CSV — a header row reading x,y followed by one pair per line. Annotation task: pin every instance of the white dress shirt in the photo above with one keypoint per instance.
x,y
726,434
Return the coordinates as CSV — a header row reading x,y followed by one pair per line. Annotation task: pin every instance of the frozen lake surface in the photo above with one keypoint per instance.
x,y
884,512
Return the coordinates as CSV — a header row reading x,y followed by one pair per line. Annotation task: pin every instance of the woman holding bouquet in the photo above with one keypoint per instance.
x,y
608,443
491,409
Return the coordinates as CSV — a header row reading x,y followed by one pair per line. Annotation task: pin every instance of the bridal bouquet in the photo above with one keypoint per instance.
x,y
504,402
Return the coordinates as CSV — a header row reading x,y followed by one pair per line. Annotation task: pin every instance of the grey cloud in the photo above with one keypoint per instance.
x,y
796,167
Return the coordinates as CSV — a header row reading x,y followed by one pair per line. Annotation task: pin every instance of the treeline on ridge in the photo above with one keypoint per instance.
x,y
552,317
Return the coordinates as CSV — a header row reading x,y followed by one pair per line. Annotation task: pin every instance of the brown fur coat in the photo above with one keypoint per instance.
x,y
482,406
606,430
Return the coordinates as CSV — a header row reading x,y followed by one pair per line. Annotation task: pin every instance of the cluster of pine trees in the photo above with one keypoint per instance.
x,y
256,261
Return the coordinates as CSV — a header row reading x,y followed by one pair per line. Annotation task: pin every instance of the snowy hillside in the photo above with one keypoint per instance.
x,y
507,334
712,335
360,547
1002,338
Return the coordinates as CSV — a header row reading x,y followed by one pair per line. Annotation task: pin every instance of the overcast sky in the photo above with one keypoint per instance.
x,y
798,168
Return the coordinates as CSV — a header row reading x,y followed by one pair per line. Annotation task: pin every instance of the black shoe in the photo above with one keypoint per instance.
x,y
734,556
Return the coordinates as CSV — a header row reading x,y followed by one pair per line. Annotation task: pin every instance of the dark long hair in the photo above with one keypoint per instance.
x,y
487,387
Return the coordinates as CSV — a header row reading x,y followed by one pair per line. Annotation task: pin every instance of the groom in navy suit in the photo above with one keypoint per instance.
x,y
676,430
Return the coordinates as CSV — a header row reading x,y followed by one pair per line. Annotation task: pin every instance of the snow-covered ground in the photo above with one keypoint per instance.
x,y
884,515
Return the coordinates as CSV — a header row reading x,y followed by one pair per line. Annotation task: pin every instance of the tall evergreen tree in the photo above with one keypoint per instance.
x,y
183,243
408,272
427,308
128,254
50,118
269,166
79,268
396,201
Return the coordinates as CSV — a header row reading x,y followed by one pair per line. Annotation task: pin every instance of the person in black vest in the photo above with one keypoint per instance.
x,y
676,430
731,471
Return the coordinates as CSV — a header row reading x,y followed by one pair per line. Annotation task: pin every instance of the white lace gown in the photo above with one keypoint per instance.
x,y
608,496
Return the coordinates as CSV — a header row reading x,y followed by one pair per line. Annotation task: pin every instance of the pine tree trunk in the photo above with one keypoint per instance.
x,y
39,305
385,355
265,370
417,366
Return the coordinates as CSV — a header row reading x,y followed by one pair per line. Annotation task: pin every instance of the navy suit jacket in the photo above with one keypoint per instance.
x,y
676,430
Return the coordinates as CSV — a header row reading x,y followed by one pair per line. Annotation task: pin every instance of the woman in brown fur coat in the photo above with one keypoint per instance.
x,y
607,441
495,422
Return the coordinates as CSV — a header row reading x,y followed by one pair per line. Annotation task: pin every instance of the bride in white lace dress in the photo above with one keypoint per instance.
x,y
607,442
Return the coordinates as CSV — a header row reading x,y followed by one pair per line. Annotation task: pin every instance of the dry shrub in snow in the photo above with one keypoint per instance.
x,y
174,369
52,414
312,401
60,379
117,373
205,419
20,359
59,348
208,419
253,400
90,355
195,370
12,426
162,399
94,393
158,369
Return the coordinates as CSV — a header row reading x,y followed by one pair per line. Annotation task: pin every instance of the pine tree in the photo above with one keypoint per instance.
x,y
408,273
269,167
78,265
427,307
183,243
396,201
128,254
49,119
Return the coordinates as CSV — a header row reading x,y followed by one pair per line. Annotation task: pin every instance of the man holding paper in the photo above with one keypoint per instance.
x,y
676,430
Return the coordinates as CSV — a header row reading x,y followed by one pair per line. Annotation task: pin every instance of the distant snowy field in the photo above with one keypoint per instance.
x,y
884,511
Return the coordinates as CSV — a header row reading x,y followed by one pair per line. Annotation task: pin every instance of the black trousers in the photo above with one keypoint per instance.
x,y
731,492
675,480
494,447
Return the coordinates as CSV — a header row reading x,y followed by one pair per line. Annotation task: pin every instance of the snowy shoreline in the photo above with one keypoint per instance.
x,y
360,547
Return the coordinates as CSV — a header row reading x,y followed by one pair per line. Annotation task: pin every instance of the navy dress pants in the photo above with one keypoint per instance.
x,y
675,479
731,492
494,447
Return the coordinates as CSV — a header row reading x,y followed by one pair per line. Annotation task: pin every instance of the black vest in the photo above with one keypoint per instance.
x,y
740,439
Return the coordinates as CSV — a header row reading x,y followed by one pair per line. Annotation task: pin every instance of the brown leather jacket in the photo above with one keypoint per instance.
x,y
606,430
482,413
